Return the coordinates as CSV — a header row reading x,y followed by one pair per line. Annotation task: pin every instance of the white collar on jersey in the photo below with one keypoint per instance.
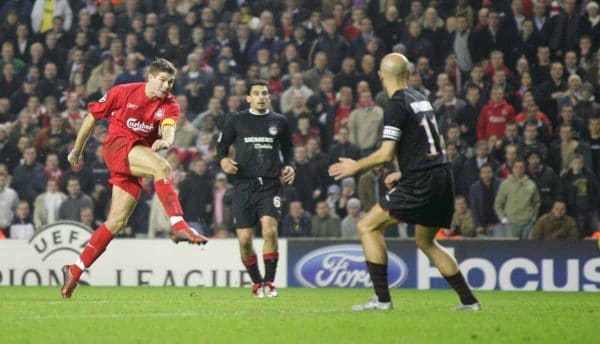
x,y
258,114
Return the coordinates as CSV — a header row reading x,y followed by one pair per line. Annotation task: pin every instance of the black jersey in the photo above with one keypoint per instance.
x,y
409,118
263,144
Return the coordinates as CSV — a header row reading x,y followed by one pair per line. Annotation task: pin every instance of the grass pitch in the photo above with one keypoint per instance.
x,y
217,315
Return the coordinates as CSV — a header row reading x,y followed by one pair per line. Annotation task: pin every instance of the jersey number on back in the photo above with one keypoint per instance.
x,y
436,145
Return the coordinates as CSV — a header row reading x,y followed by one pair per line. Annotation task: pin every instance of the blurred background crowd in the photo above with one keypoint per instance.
x,y
515,84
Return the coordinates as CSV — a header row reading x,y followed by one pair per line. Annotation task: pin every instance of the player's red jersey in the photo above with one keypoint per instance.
x,y
132,114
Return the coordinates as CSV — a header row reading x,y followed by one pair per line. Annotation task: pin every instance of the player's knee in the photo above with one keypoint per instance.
x,y
270,232
245,240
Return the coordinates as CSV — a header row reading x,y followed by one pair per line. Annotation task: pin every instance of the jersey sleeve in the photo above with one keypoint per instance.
x,y
172,113
226,138
394,118
106,105
287,147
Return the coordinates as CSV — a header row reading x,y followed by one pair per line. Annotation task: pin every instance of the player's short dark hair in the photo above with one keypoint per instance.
x,y
162,65
257,82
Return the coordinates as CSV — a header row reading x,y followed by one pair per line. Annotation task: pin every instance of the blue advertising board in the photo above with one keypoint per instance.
x,y
487,265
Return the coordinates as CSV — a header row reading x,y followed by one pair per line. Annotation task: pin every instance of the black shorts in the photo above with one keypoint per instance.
x,y
423,198
254,198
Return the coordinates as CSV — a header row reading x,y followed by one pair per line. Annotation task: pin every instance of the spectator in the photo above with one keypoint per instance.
x,y
196,195
330,42
86,217
8,56
510,156
365,123
530,142
566,25
50,85
462,221
555,225
222,203
348,225
70,208
25,174
567,117
463,44
9,154
579,189
319,163
296,88
517,203
47,204
42,18
546,180
471,167
306,184
304,131
8,202
550,91
482,195
84,175
563,152
448,107
343,148
531,114
594,141
495,115
348,191
323,223
132,72
466,117
158,223
347,76
297,223
22,227
416,44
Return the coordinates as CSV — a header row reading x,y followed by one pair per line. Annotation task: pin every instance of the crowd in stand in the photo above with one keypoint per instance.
x,y
515,84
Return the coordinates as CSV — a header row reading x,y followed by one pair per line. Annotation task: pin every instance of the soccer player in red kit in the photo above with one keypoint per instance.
x,y
142,119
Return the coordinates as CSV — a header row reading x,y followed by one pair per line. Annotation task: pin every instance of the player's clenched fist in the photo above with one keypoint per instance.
x,y
159,145
73,157
392,179
229,166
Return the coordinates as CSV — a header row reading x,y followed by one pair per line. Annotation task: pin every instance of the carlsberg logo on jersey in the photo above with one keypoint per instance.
x,y
343,266
139,126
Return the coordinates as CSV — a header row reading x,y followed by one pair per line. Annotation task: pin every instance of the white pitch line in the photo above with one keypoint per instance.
x,y
211,314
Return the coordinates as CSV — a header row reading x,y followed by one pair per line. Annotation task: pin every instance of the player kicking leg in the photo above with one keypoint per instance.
x,y
143,162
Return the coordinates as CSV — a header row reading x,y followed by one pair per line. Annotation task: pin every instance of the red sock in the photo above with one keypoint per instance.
x,y
168,197
94,248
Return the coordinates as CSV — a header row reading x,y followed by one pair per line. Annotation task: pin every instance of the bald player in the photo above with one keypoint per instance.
x,y
421,193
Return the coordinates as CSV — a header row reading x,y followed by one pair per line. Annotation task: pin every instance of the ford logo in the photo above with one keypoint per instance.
x,y
344,266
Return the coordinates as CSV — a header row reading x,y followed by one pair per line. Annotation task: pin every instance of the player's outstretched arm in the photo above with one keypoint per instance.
x,y
82,136
167,137
348,167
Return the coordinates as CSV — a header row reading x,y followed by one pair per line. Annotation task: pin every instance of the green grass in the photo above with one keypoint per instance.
x,y
217,315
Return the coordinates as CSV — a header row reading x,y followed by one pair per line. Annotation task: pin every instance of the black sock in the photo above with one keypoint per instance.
x,y
462,288
270,260
379,277
252,268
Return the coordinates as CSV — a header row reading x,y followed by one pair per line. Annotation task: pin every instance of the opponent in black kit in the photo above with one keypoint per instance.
x,y
261,139
421,193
